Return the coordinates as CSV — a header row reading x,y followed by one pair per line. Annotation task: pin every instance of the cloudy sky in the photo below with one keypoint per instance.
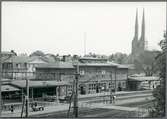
x,y
57,27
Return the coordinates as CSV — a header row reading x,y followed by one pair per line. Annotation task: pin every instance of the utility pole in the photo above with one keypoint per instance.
x,y
115,80
85,43
76,92
111,89
0,72
0,81
27,96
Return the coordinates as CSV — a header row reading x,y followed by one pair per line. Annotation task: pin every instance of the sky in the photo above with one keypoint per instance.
x,y
79,27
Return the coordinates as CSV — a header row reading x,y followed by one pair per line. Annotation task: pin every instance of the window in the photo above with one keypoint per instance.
x,y
33,69
82,72
89,86
123,84
103,72
25,65
17,65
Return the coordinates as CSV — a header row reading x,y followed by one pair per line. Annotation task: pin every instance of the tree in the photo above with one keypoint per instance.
x,y
12,51
145,62
159,93
37,53
118,57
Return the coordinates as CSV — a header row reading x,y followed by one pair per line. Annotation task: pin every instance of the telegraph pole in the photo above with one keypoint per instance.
x,y
76,92
111,88
0,80
27,96
85,43
0,69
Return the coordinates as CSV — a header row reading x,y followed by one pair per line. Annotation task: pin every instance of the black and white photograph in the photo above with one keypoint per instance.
x,y
83,59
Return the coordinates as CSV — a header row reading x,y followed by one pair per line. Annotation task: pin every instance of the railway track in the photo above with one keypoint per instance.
x,y
93,112
86,111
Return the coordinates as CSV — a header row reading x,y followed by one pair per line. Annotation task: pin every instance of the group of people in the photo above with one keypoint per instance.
x,y
34,104
12,108
112,99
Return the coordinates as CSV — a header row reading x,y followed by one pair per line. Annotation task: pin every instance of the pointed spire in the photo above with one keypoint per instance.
x,y
143,27
136,25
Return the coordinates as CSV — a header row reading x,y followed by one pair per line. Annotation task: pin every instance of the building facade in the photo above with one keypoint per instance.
x,y
20,67
96,75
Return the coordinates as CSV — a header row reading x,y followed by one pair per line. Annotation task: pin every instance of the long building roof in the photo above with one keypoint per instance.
x,y
97,64
35,84
65,65
144,78
59,65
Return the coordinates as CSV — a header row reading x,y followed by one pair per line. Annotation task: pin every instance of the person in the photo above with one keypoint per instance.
x,y
12,108
114,98
35,104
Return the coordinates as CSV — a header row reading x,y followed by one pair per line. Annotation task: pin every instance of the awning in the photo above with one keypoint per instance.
x,y
37,84
8,88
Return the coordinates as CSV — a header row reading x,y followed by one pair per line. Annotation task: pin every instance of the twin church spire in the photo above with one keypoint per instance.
x,y
139,45
143,26
136,25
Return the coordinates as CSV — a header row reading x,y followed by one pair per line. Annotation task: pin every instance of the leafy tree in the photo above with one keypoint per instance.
x,y
118,57
12,51
159,93
37,53
145,62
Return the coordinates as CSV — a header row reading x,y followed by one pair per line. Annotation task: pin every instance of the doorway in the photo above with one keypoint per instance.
x,y
82,89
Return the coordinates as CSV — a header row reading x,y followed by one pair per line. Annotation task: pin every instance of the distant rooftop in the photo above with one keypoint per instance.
x,y
7,53
96,64
92,58
18,59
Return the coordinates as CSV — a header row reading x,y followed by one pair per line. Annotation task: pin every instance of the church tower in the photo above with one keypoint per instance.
x,y
142,38
139,46
135,39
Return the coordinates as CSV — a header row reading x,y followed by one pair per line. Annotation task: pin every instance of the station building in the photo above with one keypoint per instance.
x,y
96,75
57,79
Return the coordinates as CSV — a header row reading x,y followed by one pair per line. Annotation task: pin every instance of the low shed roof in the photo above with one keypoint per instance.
x,y
144,78
37,84
8,88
